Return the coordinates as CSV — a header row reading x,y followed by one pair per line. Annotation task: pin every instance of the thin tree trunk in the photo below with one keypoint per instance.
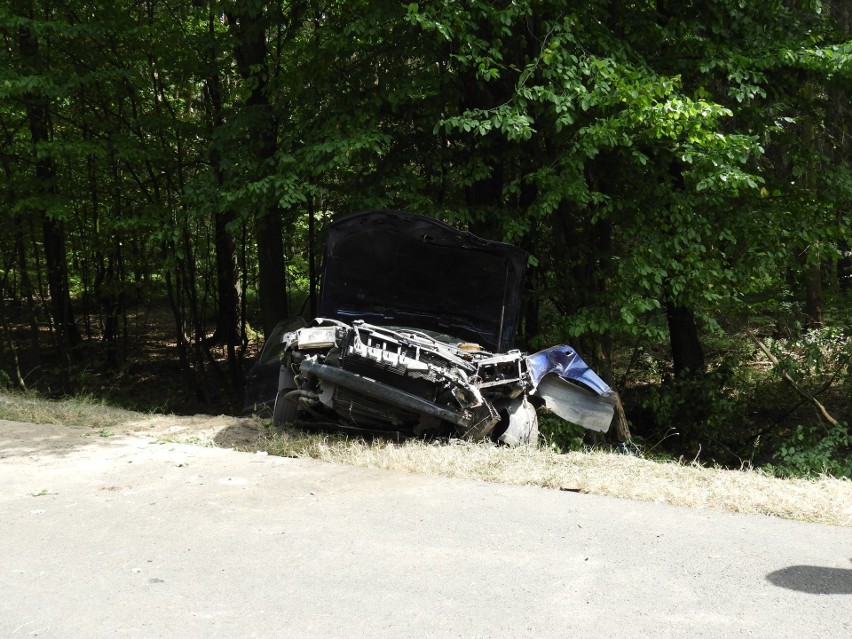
x,y
227,283
27,289
813,296
53,229
7,329
586,277
811,255
312,266
109,284
844,268
841,111
7,334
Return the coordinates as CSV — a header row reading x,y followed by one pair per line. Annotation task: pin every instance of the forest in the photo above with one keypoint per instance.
x,y
677,170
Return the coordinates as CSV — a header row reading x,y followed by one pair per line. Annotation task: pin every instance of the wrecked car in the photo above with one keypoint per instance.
x,y
415,337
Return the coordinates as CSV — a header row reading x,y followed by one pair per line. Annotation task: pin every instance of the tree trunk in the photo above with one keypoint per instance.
x,y
271,270
53,229
227,282
312,265
6,332
57,282
813,296
841,111
249,23
484,197
228,290
811,255
844,268
27,289
109,283
687,353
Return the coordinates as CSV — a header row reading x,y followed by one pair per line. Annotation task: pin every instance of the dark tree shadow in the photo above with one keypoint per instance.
x,y
814,579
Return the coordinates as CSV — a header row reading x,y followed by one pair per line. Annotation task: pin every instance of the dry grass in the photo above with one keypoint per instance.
x,y
825,500
76,411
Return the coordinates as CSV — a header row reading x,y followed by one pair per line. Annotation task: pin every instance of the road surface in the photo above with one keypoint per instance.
x,y
133,537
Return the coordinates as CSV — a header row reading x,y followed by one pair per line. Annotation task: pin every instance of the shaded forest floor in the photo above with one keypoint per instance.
x,y
149,377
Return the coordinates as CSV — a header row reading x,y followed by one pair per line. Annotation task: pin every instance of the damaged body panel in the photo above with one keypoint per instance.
x,y
416,339
588,401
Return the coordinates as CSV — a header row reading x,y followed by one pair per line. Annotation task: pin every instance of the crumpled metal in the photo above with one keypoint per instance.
x,y
564,361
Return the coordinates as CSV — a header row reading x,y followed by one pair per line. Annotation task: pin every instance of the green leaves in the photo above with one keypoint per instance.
x,y
693,153
504,120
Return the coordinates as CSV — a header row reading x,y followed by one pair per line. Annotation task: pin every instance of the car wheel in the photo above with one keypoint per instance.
x,y
285,410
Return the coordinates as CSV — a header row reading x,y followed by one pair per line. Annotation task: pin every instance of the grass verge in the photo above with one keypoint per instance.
x,y
73,411
824,500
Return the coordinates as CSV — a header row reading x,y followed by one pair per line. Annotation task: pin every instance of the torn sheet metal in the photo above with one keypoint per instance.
x,y
564,361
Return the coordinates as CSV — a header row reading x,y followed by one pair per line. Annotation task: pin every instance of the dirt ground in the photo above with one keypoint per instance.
x,y
224,431
202,430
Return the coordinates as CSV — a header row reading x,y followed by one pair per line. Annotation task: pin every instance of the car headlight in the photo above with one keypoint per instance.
x,y
317,337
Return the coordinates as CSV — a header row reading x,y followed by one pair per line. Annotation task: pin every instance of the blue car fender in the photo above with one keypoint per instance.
x,y
571,389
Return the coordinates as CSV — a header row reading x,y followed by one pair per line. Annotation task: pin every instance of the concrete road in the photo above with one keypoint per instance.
x,y
124,536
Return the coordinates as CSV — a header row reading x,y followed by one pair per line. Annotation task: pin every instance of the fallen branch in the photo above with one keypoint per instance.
x,y
813,400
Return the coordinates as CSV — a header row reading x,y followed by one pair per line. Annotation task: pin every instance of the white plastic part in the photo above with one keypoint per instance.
x,y
317,337
576,405
523,424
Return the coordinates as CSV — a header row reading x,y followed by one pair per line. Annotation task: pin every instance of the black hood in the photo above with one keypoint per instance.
x,y
401,269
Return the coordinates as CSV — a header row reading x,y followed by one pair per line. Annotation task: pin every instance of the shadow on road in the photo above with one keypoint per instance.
x,y
813,579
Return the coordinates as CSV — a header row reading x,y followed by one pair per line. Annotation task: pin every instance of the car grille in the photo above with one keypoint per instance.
x,y
395,376
364,411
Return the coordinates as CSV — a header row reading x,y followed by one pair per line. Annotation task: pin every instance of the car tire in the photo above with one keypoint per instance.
x,y
285,410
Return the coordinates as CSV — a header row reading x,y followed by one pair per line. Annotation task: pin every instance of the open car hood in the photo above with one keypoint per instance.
x,y
393,268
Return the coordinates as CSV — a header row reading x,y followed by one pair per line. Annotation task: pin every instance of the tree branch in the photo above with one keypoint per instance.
x,y
813,400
